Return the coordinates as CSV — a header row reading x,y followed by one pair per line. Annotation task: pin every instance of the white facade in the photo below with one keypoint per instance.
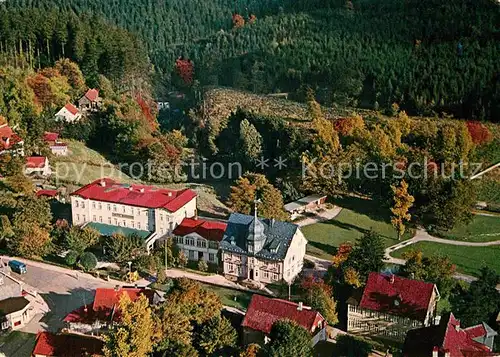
x,y
65,115
42,170
196,247
242,266
158,220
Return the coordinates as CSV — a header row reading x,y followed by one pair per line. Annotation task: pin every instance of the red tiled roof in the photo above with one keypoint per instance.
x,y
263,312
71,108
92,94
35,162
476,331
63,345
48,136
403,297
446,337
7,133
135,195
46,193
211,230
106,300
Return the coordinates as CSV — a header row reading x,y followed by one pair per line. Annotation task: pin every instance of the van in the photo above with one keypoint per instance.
x,y
17,267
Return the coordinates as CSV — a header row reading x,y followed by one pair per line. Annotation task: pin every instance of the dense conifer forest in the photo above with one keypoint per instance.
x,y
425,55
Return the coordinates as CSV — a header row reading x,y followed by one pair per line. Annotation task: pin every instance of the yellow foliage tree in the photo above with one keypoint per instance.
x,y
402,203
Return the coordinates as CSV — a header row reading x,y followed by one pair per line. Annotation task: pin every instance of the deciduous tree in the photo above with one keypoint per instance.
x,y
403,201
289,340
216,335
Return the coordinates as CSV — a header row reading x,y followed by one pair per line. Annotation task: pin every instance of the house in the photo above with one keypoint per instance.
x,y
69,114
90,101
449,339
136,207
103,312
66,345
262,250
199,238
15,313
392,305
263,312
305,204
49,194
37,165
56,146
10,142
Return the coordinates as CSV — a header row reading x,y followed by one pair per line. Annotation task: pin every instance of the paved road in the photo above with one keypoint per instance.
x,y
63,292
322,216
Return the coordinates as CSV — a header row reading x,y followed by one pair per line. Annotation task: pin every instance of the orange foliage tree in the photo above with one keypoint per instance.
x,y
238,21
479,133
185,69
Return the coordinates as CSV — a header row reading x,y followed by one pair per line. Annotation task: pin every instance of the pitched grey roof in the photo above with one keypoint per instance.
x,y
278,236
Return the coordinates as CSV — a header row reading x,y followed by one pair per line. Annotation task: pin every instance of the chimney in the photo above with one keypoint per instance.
x,y
447,353
272,222
130,188
103,183
117,287
300,306
391,279
435,351
7,141
169,194
457,326
142,190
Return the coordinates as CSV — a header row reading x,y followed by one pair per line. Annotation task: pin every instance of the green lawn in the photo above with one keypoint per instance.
x,y
230,297
481,229
83,165
349,225
467,259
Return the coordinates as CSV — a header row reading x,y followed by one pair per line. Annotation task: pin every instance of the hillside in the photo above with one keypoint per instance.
x,y
425,55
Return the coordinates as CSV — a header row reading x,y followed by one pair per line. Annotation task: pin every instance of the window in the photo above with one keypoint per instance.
x,y
109,207
190,241
201,243
94,218
109,220
100,219
84,218
211,257
83,204
191,255
124,223
17,323
114,208
138,225
93,205
161,217
266,274
100,206
116,222
123,209
133,224
77,204
213,245
77,217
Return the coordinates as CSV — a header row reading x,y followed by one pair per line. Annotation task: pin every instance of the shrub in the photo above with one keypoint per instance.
x,y
202,265
71,258
182,259
88,261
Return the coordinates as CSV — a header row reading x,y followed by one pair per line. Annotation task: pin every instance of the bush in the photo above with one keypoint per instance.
x,y
202,265
88,261
71,258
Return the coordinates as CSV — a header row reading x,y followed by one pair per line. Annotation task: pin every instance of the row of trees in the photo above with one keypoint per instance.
x,y
364,54
190,323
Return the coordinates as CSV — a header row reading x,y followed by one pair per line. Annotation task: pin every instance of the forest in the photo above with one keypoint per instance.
x,y
427,56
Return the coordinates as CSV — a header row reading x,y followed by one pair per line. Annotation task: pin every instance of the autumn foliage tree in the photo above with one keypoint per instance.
x,y
185,70
253,186
238,21
479,133
319,296
402,203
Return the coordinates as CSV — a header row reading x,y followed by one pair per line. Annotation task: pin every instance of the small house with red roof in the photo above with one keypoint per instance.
x,y
104,311
10,142
57,147
69,114
200,238
449,339
48,344
263,312
391,305
132,208
90,101
38,166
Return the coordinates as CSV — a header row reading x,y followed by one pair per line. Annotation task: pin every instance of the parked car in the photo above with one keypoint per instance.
x,y
17,267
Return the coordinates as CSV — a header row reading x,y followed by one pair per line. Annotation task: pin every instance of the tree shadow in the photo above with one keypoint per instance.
x,y
367,207
61,304
347,226
327,248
